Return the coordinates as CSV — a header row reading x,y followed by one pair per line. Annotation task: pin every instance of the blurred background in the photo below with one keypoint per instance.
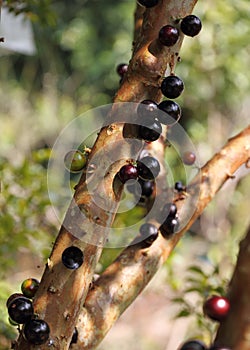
x,y
58,60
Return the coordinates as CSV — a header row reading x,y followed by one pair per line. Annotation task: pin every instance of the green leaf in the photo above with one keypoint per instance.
x,y
183,313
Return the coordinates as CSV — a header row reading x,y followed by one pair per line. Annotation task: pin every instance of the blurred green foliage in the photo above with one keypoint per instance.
x,y
79,43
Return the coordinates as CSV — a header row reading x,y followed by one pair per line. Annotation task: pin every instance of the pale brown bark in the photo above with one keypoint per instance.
x,y
234,332
62,293
123,280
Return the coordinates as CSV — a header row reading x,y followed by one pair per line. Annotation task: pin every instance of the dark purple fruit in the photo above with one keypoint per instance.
x,y
149,233
216,307
191,25
147,110
148,3
29,287
168,35
20,310
169,211
217,347
172,86
150,131
75,160
147,187
189,158
74,336
171,112
148,168
193,345
169,227
179,186
72,257
12,297
36,331
121,69
128,172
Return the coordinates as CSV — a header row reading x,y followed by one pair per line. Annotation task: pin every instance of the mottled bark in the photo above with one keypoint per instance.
x,y
124,279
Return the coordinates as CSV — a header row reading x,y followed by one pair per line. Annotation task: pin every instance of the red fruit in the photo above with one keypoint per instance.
x,y
216,307
128,172
189,158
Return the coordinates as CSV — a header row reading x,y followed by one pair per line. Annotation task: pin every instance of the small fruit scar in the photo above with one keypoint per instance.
x,y
248,163
230,175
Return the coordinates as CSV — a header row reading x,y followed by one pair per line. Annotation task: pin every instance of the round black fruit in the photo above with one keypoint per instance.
x,y
169,211
171,112
147,110
147,187
29,287
148,3
179,186
172,86
36,331
72,257
121,69
193,345
149,233
20,310
148,168
74,336
128,172
169,227
168,35
191,25
12,297
151,131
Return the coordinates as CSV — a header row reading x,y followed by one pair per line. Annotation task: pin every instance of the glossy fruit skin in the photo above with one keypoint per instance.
x,y
169,211
191,25
141,187
12,297
29,287
193,345
147,188
216,307
150,131
179,186
189,158
74,336
168,35
72,257
75,160
148,3
121,69
149,233
20,310
172,112
128,172
169,227
217,347
172,86
36,331
148,168
147,110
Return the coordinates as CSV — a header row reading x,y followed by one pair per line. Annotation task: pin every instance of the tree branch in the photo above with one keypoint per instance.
x,y
128,275
229,335
143,79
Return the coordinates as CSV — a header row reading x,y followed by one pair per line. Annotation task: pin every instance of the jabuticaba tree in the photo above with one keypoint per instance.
x,y
64,311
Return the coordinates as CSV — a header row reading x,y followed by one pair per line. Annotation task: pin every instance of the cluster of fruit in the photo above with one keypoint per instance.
x,y
216,308
21,312
20,309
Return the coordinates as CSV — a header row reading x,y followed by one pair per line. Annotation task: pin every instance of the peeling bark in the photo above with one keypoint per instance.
x,y
124,279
